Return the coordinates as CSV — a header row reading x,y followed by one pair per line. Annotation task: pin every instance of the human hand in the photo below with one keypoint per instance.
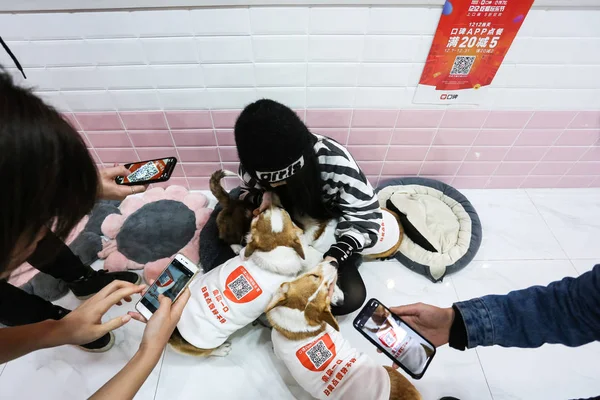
x,y
267,201
162,323
109,190
432,322
84,324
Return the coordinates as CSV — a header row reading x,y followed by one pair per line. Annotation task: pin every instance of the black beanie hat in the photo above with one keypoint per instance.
x,y
272,141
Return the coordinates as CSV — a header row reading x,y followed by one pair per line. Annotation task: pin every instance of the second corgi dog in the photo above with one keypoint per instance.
x,y
234,219
306,338
235,293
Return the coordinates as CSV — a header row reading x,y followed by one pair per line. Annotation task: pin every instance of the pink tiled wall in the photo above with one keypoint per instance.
x,y
466,148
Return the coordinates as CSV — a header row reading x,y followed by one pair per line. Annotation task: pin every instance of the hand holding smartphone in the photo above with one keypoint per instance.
x,y
395,338
150,171
170,283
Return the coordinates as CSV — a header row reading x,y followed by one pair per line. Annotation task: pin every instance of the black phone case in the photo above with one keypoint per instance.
x,y
361,316
162,178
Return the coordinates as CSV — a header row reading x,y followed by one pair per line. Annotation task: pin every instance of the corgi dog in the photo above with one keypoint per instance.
x,y
306,338
233,221
236,293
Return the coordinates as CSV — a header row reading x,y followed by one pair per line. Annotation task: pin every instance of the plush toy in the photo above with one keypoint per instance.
x,y
150,229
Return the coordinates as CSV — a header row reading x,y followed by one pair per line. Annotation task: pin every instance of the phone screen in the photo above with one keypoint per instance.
x,y
395,338
146,170
170,283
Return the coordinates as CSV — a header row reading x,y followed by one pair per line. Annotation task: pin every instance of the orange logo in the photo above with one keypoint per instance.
x,y
241,286
318,354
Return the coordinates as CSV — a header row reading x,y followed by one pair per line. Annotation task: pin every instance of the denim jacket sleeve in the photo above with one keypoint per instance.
x,y
565,312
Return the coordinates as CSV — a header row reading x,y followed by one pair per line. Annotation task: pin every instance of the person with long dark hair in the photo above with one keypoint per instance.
x,y
49,182
313,176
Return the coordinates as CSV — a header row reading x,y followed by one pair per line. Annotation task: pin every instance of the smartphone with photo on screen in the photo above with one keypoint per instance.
x,y
171,283
150,171
395,338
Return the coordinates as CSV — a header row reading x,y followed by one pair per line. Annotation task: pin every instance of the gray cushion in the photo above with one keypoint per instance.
x,y
409,258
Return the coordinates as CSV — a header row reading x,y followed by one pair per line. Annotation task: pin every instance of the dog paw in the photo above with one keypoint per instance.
x,y
222,351
338,296
236,248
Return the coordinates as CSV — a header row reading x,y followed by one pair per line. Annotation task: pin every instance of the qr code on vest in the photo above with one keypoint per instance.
x,y
319,354
389,339
462,65
143,173
240,287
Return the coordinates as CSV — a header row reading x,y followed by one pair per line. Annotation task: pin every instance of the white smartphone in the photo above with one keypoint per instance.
x,y
171,282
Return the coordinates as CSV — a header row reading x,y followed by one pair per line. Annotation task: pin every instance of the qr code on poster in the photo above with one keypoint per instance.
x,y
143,173
462,65
240,287
319,354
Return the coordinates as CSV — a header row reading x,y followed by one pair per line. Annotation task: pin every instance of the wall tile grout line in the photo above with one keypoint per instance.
x,y
470,147
510,147
550,148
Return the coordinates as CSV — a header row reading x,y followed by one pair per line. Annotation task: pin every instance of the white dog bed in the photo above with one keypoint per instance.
x,y
442,229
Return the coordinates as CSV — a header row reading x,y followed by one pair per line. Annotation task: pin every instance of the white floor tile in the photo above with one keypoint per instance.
x,y
552,371
513,229
574,218
583,266
67,372
250,371
500,277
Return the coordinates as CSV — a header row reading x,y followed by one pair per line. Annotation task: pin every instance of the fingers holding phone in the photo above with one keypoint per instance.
x,y
84,324
163,322
110,190
396,338
432,322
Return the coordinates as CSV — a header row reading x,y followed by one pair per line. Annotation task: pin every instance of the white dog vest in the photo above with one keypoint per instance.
x,y
389,234
329,368
225,300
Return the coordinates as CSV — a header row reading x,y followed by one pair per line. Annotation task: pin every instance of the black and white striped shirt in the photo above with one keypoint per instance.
x,y
346,188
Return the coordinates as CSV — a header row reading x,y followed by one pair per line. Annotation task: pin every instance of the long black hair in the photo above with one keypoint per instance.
x,y
271,137
47,176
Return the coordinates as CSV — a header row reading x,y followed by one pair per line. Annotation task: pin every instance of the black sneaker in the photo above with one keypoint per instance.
x,y
100,345
105,343
92,283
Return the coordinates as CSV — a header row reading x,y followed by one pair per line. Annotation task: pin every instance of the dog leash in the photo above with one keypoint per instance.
x,y
13,57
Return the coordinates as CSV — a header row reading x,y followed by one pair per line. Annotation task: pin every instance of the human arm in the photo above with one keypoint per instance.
x,y
126,383
565,312
109,190
80,326
350,193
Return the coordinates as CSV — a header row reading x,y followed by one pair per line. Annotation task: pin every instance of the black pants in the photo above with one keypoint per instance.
x,y
214,252
52,257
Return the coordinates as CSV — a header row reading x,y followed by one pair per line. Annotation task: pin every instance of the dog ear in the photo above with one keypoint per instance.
x,y
249,250
275,200
328,317
279,298
297,246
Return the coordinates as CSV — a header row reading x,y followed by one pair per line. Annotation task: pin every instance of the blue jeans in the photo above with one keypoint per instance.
x,y
565,312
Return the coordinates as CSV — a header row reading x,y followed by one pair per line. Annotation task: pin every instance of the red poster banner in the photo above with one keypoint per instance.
x,y
470,43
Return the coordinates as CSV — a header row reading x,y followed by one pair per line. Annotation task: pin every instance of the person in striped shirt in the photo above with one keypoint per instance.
x,y
314,176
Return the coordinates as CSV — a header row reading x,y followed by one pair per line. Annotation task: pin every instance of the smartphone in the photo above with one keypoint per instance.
x,y
395,338
150,171
171,282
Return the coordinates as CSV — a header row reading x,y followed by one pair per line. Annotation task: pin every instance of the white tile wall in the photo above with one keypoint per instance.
x,y
330,57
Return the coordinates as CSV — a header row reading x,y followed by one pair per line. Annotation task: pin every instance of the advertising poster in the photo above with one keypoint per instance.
x,y
470,42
